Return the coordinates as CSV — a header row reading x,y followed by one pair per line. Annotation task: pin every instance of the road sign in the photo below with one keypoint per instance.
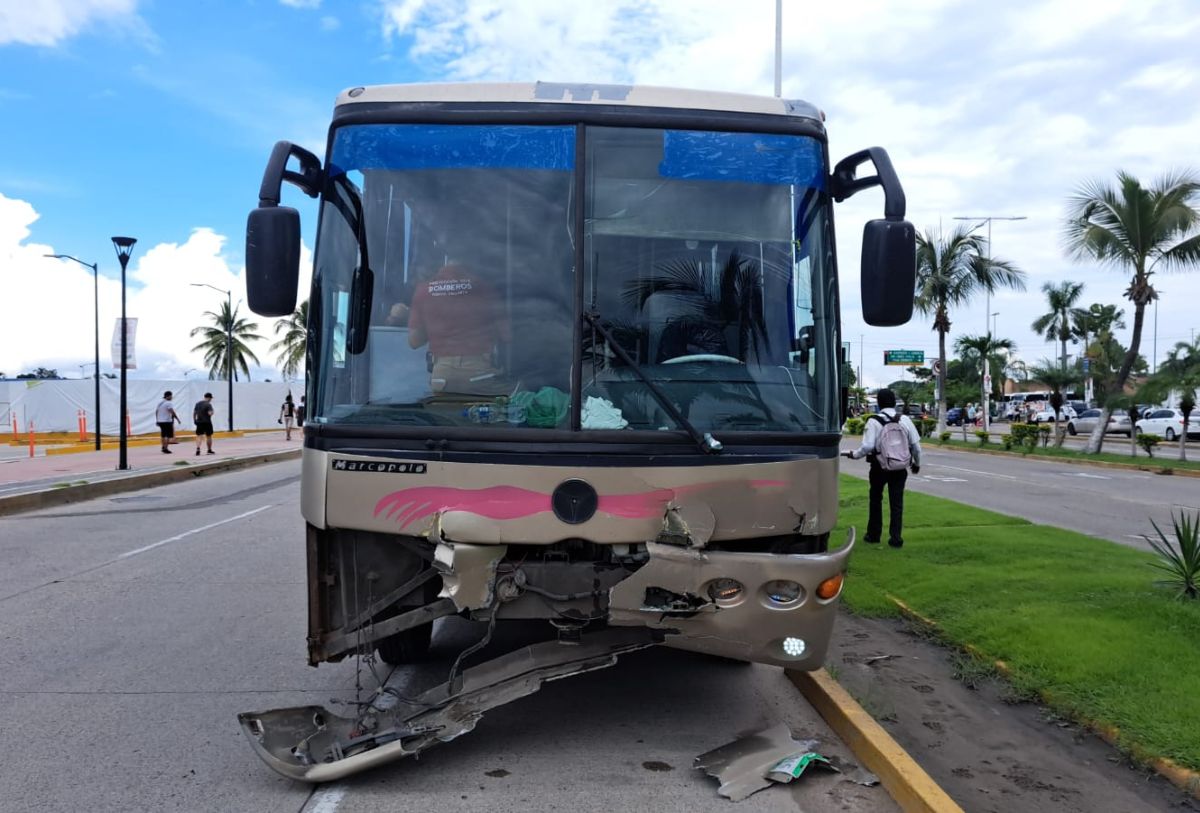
x,y
903,358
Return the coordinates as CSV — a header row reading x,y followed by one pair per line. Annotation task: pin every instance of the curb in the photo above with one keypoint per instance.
x,y
906,781
52,497
1148,468
1181,777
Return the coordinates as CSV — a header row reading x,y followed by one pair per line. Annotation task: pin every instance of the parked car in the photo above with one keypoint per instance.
x,y
1167,424
954,416
1085,423
1047,415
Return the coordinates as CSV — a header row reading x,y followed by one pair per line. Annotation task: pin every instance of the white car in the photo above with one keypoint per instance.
x,y
1047,415
1085,423
1168,424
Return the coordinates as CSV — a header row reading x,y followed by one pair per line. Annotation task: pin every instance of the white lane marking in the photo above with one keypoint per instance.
x,y
974,471
945,479
192,532
1090,476
325,799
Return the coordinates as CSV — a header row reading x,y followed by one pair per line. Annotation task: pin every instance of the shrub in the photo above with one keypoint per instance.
x,y
926,426
1025,435
945,436
1182,566
984,437
1044,434
1148,442
1007,440
854,426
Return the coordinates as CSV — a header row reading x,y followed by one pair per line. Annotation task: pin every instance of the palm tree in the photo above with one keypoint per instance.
x,y
1180,372
1135,229
227,329
1058,323
951,270
294,342
1057,379
987,349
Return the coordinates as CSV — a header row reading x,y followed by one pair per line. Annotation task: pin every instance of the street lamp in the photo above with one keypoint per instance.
x,y
124,248
228,343
981,219
96,317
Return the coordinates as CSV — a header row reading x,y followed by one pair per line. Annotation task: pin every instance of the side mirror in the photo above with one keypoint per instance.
x,y
272,260
889,272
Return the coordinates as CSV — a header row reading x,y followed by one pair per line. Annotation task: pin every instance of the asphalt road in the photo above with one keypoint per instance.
x,y
1110,503
135,628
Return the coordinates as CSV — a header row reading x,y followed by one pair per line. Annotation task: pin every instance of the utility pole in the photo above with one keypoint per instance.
x,y
981,219
778,48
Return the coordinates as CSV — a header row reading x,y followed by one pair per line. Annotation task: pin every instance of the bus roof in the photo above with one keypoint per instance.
x,y
580,93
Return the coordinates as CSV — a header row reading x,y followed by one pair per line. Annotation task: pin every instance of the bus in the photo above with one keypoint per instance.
x,y
574,354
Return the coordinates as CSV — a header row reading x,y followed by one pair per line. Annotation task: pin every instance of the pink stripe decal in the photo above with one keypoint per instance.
x,y
510,502
497,502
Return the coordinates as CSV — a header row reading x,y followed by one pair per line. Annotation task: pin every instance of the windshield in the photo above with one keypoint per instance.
x,y
708,259
446,293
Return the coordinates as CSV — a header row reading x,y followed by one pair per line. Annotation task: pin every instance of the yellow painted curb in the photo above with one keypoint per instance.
x,y
1178,775
905,780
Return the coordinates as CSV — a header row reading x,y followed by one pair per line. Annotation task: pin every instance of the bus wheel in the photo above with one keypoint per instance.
x,y
408,646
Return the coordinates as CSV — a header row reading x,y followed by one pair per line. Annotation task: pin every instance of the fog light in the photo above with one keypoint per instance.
x,y
782,591
830,587
724,591
794,647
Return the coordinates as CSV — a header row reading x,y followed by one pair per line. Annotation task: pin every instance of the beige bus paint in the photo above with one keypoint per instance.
x,y
714,502
468,573
313,466
751,627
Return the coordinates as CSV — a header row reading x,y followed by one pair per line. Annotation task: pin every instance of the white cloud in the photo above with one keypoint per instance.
x,y
48,305
301,3
49,22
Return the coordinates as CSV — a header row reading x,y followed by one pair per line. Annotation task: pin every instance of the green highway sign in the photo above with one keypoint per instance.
x,y
904,358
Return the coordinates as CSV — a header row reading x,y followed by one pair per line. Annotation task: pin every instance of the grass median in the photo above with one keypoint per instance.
x,y
1052,453
1077,620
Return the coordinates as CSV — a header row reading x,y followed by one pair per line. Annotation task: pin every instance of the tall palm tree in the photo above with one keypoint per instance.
x,y
293,344
988,349
1056,326
950,271
227,333
1136,229
1058,379
1180,372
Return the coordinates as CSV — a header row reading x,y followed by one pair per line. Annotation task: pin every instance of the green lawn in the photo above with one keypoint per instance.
x,y
1076,619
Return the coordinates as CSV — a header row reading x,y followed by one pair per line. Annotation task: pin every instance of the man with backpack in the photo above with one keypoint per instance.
x,y
892,445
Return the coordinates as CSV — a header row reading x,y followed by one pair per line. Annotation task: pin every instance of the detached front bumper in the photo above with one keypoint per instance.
x,y
672,593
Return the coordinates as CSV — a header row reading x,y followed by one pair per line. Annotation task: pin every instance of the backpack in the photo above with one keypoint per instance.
x,y
891,447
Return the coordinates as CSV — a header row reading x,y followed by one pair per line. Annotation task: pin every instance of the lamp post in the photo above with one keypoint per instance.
x,y
124,248
981,219
994,315
96,321
228,342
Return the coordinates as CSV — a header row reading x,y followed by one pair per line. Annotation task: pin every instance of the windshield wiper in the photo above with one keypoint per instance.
x,y
706,442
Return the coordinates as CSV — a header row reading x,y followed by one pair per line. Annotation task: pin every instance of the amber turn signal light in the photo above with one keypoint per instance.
x,y
830,587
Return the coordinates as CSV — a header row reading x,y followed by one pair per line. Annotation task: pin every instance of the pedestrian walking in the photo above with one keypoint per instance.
x,y
287,416
300,413
892,446
166,419
202,414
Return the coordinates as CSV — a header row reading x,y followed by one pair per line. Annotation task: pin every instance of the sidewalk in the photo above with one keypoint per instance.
x,y
31,482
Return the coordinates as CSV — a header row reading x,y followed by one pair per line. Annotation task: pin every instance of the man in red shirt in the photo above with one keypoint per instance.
x,y
461,317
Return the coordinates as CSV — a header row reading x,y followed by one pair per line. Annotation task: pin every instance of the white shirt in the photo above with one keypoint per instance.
x,y
871,436
165,412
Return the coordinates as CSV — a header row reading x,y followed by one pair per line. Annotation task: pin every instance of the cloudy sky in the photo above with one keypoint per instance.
x,y
154,120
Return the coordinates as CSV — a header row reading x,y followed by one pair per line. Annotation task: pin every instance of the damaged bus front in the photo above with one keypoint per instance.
x,y
573,354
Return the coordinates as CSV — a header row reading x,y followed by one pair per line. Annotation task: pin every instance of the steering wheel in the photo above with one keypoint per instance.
x,y
714,358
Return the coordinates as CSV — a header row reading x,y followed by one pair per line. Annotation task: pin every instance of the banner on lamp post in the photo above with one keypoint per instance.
x,y
130,336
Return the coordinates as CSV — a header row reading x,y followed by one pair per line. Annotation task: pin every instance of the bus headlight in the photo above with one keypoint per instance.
x,y
783,591
725,591
794,647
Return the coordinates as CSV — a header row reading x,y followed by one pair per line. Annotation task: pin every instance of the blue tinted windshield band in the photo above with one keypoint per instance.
x,y
452,146
747,157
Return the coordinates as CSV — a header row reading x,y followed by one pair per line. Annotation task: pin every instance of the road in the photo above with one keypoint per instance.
x,y
136,627
1110,503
